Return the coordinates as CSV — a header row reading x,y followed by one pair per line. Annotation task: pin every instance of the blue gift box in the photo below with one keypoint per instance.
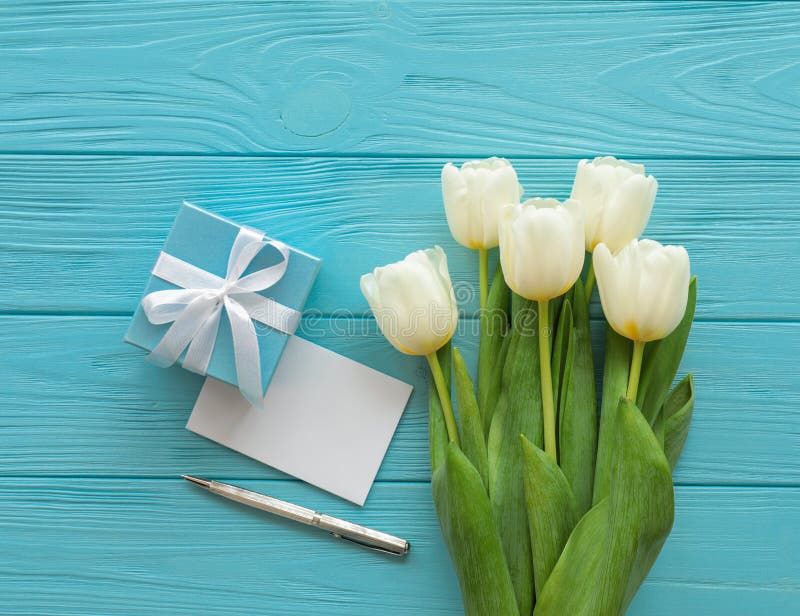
x,y
205,240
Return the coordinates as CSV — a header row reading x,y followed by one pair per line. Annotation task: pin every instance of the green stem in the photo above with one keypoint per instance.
x,y
636,369
548,409
444,397
590,280
483,268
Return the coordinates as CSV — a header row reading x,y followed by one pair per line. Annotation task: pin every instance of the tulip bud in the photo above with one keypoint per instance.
x,y
413,301
541,247
617,198
473,197
643,288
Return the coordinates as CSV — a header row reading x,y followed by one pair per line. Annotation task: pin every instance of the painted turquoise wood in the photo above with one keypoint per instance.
x,y
117,427
152,546
533,79
327,123
358,213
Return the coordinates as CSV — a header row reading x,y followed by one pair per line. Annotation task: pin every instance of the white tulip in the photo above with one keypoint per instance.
x,y
643,288
541,252
473,197
413,301
541,247
617,198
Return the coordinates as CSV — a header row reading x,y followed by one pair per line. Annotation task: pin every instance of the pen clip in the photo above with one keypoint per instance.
x,y
365,544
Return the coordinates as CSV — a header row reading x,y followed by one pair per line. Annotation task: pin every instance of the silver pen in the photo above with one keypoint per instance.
x,y
337,527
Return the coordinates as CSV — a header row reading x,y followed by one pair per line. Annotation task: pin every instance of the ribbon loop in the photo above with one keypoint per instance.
x,y
195,310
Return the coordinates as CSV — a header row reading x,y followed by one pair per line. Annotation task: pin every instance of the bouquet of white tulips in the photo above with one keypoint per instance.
x,y
547,506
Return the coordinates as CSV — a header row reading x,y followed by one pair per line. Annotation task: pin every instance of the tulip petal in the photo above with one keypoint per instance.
x,y
369,287
618,199
501,188
473,196
413,301
628,211
541,247
610,272
643,288
662,359
456,203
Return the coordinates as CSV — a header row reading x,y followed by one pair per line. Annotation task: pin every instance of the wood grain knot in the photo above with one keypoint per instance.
x,y
315,109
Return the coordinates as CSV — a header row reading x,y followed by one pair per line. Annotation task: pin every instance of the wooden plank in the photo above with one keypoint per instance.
x,y
542,79
81,233
163,546
77,401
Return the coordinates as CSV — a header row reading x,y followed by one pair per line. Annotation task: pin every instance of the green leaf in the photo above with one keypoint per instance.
x,y
473,442
519,411
677,412
615,383
662,359
641,513
494,327
658,428
577,414
493,394
521,312
554,309
561,362
569,589
469,531
437,430
612,562
552,510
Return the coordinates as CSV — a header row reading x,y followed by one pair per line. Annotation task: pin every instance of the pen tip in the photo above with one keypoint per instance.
x,y
201,482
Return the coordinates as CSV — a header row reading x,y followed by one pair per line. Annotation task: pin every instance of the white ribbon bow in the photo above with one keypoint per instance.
x,y
195,309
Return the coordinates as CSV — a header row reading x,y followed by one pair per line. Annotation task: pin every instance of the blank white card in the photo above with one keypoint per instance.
x,y
327,419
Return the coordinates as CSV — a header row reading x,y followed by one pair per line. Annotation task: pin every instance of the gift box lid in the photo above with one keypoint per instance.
x,y
205,240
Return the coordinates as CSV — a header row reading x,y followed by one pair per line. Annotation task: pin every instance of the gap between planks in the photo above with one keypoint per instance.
x,y
381,155
112,314
226,479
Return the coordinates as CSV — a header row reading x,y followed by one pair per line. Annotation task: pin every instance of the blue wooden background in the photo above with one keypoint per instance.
x,y
327,124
